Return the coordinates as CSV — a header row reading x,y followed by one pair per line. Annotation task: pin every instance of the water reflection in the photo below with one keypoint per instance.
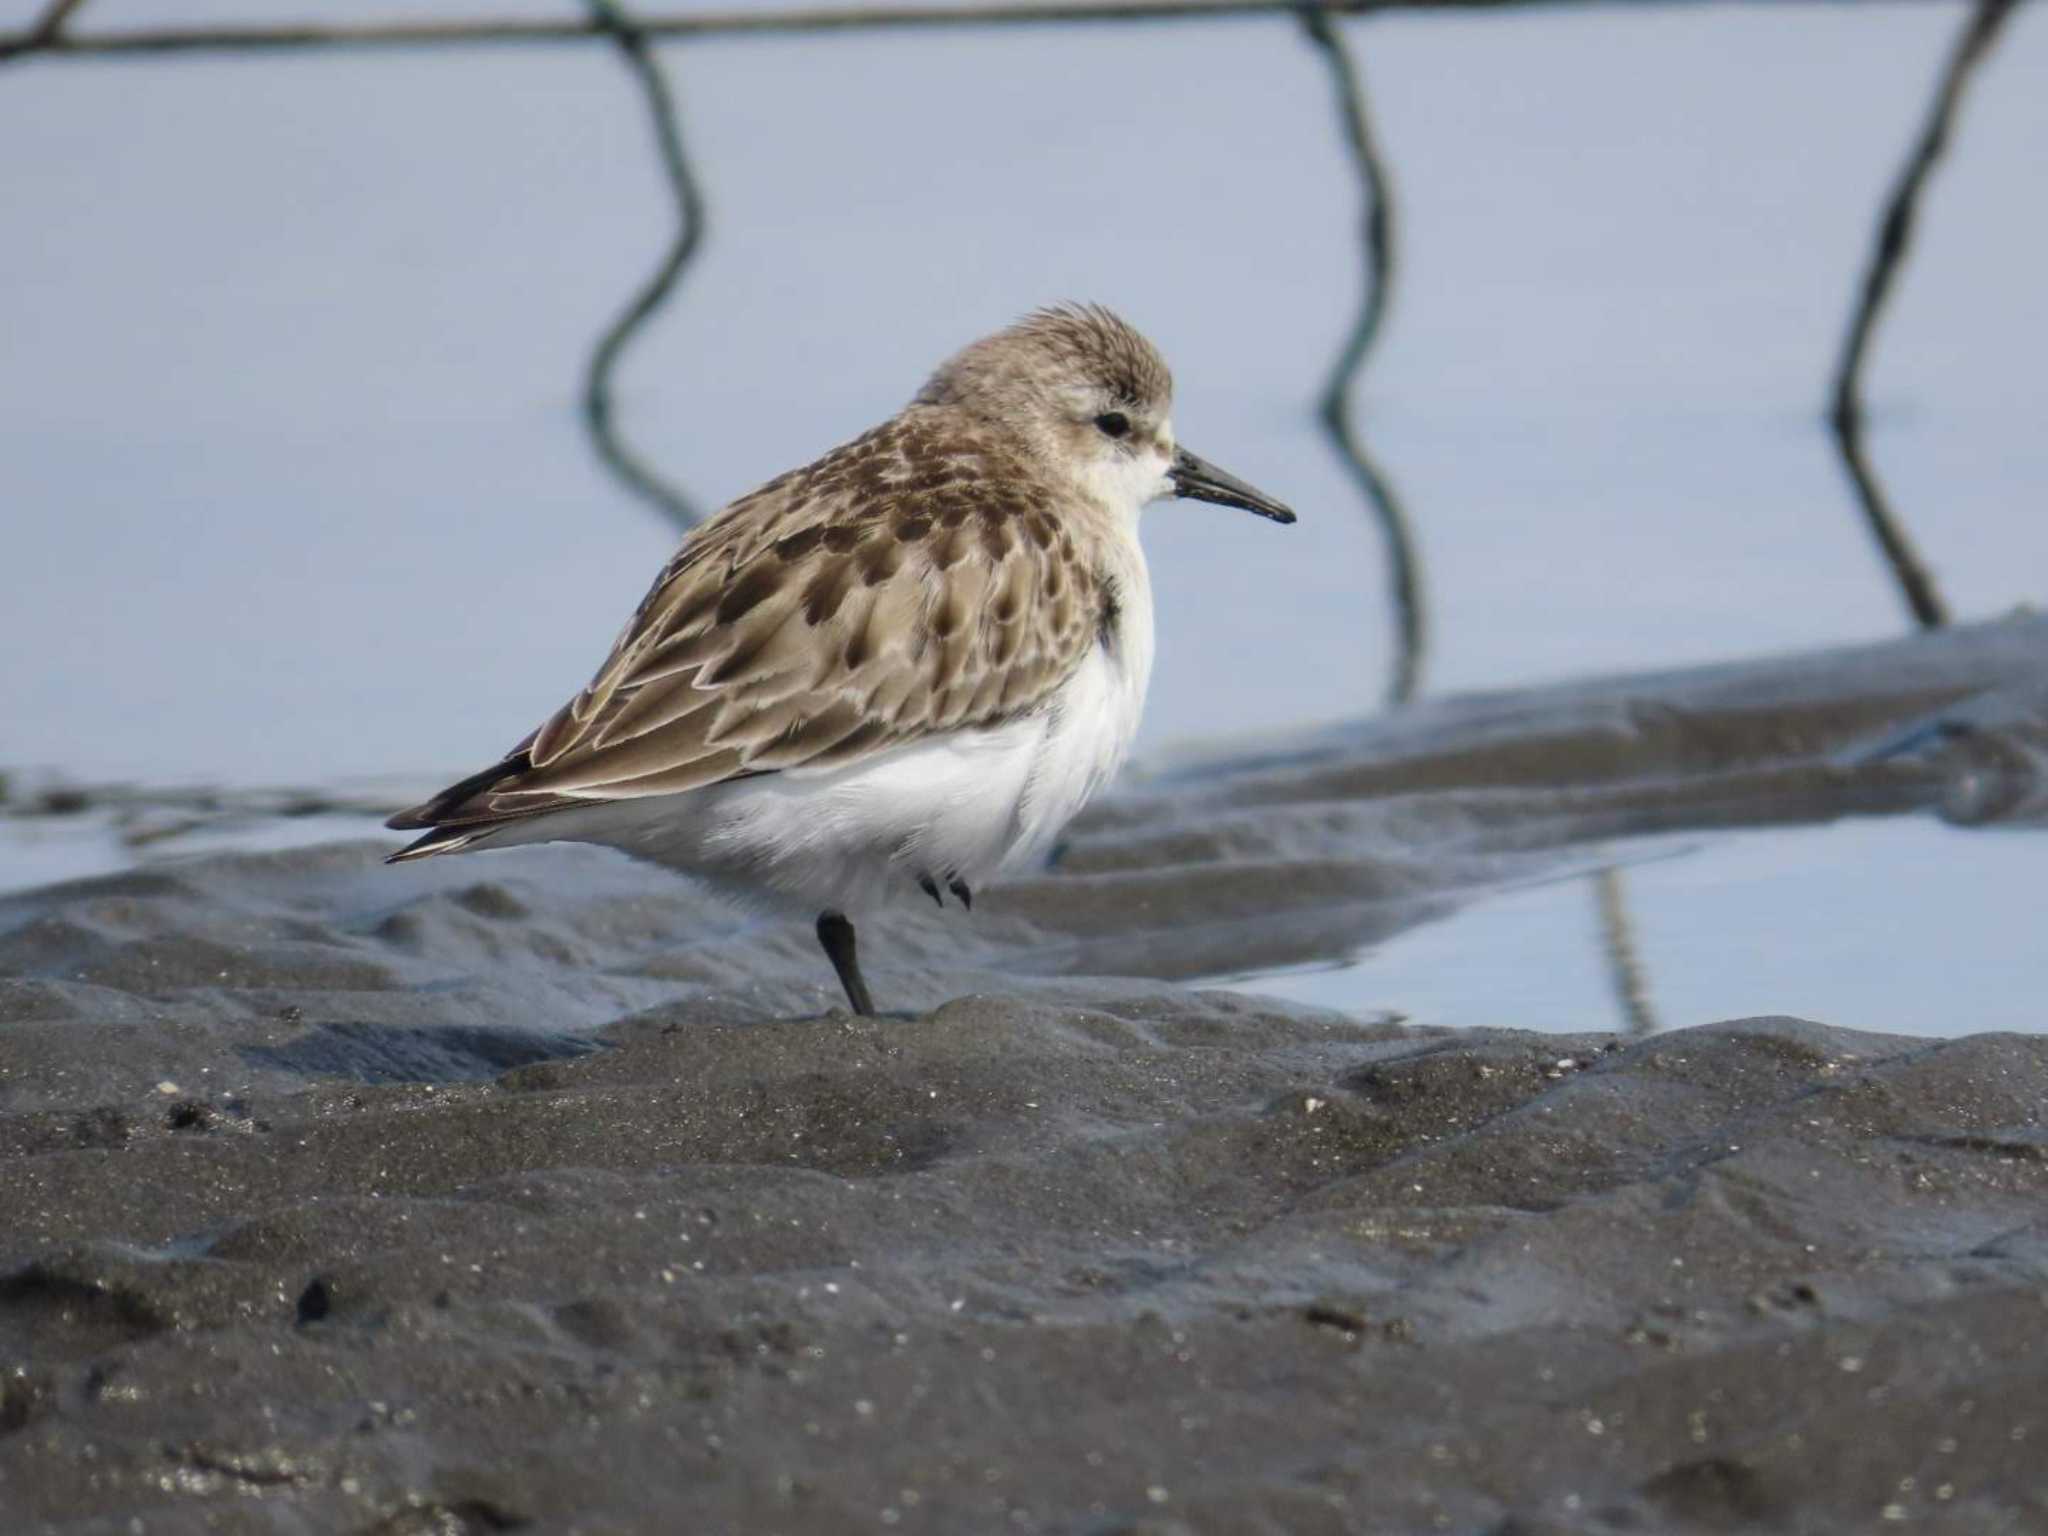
x,y
1904,926
1459,816
1618,942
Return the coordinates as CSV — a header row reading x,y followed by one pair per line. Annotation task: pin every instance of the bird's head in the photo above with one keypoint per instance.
x,y
1093,400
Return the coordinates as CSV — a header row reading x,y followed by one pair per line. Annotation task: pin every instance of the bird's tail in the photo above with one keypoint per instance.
x,y
441,840
463,814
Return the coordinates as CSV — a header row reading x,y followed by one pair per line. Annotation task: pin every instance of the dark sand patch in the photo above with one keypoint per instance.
x,y
1084,1257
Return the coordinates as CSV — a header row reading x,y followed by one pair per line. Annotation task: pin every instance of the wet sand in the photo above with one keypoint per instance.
x,y
535,1191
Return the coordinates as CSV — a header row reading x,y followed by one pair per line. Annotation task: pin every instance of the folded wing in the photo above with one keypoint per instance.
x,y
908,583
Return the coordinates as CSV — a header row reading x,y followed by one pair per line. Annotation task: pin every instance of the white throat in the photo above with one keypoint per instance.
x,y
1127,483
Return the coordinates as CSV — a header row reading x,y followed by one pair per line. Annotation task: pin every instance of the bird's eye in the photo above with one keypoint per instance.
x,y
1113,423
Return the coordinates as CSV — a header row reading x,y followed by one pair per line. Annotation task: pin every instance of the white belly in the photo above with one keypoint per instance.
x,y
964,806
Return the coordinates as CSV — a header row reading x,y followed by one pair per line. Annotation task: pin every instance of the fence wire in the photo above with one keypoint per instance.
x,y
1893,239
53,35
1336,407
598,418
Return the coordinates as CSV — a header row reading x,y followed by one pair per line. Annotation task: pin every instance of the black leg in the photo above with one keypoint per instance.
x,y
835,933
959,888
931,889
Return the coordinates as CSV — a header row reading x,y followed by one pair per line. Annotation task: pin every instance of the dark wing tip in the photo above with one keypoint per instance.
x,y
440,840
452,820
453,803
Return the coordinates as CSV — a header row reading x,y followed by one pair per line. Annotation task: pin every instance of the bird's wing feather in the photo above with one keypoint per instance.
x,y
913,581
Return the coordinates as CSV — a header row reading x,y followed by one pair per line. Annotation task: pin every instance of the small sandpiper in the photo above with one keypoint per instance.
x,y
897,671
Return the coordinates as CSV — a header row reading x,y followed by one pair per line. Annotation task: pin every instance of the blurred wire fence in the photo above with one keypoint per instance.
x,y
55,35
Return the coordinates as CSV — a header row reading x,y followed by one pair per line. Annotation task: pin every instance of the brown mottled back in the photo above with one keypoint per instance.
x,y
915,580
924,578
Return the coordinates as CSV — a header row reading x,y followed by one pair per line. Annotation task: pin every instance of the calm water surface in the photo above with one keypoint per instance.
x,y
294,489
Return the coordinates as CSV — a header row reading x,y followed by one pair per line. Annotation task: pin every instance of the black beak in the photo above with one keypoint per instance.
x,y
1203,481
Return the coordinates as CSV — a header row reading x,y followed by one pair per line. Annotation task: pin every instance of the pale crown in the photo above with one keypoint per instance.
x,y
1089,396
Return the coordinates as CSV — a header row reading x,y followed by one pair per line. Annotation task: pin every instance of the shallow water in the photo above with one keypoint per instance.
x,y
296,494
1880,921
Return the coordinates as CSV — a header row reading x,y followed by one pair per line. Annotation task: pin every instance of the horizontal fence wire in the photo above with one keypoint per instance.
x,y
730,23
